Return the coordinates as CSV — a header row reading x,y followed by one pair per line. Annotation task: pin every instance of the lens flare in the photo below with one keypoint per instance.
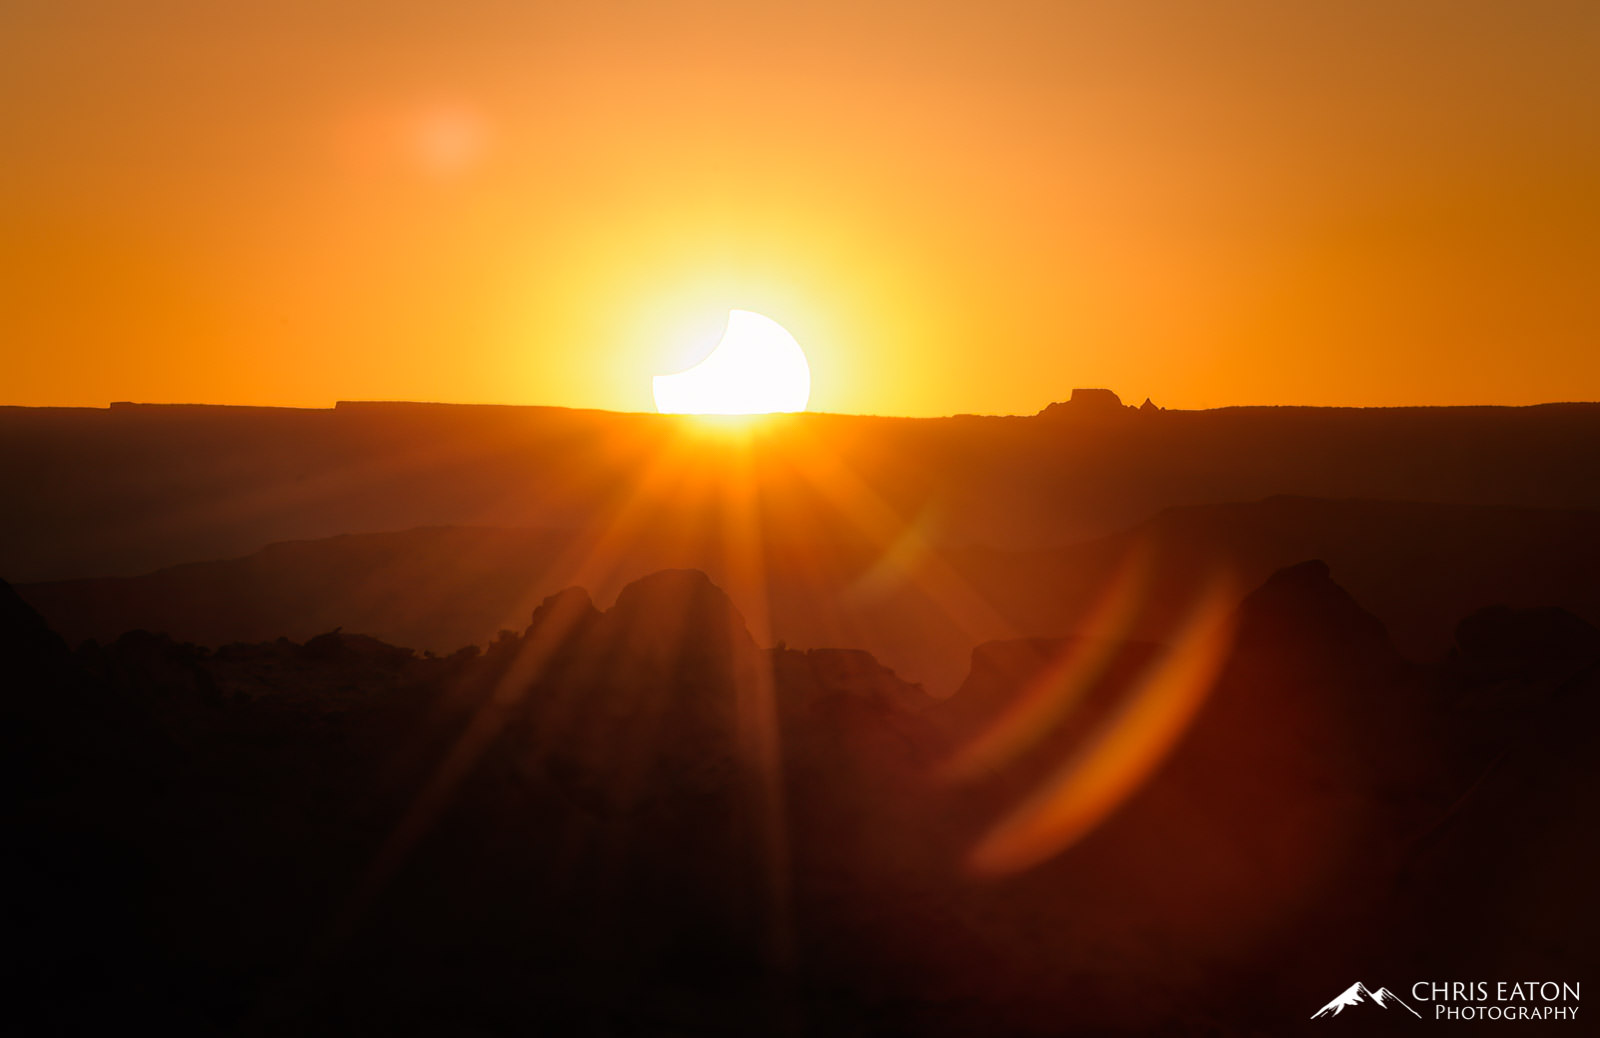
x,y
1122,753
1052,695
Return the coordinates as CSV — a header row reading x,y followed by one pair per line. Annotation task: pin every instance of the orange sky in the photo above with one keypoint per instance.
x,y
953,207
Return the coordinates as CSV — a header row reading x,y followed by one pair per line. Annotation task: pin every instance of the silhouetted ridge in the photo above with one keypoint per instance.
x,y
40,687
1501,642
851,671
1420,568
324,646
1301,610
26,641
570,609
678,619
683,596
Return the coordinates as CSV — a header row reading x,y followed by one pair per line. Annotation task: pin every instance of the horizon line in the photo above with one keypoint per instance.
x,y
129,405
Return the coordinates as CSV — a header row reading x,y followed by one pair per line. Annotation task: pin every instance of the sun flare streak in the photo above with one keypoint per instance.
x,y
1122,754
1053,694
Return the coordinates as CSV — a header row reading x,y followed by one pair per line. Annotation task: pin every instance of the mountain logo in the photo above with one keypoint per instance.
x,y
1358,994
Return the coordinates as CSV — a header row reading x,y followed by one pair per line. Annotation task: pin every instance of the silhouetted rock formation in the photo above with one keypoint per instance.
x,y
569,612
850,671
1095,399
1086,403
44,690
27,644
1300,612
678,620
1499,643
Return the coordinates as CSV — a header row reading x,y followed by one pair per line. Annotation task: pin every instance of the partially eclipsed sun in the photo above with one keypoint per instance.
x,y
757,368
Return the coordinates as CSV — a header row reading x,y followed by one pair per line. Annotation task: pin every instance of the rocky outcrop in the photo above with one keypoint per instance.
x,y
27,645
1500,642
1086,403
852,672
1301,613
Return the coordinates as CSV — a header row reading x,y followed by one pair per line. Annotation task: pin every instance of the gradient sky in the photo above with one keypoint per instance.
x,y
953,207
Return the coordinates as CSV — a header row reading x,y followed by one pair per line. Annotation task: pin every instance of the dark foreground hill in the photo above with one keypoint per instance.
x,y
1418,567
639,821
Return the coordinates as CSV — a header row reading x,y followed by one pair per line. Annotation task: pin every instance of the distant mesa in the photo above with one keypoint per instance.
x,y
1095,403
1095,399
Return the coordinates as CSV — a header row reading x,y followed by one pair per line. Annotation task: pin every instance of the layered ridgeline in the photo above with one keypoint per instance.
x,y
640,819
1418,567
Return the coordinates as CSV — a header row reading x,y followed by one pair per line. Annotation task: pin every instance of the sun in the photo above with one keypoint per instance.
x,y
757,368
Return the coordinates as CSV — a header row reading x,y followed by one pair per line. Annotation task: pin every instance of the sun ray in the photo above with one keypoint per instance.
x,y
853,499
760,732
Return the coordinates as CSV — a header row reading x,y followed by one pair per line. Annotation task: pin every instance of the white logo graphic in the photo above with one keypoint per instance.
x,y
1359,994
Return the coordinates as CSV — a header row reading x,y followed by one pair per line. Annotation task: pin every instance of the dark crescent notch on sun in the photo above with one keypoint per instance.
x,y
756,368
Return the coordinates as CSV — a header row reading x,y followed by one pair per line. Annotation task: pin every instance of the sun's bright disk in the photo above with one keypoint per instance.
x,y
757,368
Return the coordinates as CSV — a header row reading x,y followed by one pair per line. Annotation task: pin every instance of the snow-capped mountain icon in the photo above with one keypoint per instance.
x,y
1359,994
